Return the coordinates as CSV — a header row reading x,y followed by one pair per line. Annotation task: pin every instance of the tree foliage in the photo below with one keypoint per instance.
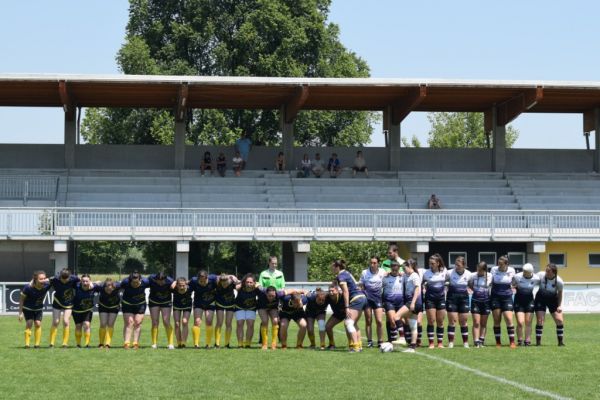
x,y
356,255
462,130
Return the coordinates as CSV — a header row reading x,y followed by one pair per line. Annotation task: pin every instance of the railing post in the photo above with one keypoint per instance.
x,y
132,218
493,227
434,226
375,220
314,224
25,192
71,223
8,225
194,224
255,223
550,226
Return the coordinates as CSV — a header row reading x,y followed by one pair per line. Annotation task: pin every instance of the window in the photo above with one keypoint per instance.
x,y
452,258
560,259
488,256
594,259
516,260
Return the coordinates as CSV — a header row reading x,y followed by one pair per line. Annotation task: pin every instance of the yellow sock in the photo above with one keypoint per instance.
x,y
87,336
196,335
37,334
101,336
154,334
27,337
274,334
218,336
170,331
263,335
78,335
53,330
227,337
209,335
311,337
109,333
66,332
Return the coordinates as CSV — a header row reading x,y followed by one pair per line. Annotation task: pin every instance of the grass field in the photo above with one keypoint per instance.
x,y
568,372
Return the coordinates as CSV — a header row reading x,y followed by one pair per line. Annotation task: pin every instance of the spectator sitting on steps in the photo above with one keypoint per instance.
x,y
206,163
280,163
434,203
221,164
360,165
333,166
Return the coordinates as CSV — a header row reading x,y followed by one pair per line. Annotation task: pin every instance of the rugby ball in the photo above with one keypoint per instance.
x,y
386,347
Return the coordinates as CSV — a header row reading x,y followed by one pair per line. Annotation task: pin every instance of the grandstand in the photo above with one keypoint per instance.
x,y
503,200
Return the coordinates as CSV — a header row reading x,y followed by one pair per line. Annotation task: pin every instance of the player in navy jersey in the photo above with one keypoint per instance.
x,y
182,309
83,306
134,307
371,280
393,299
480,283
549,297
411,288
524,282
109,303
160,303
225,305
316,308
457,301
354,300
246,303
268,309
64,290
335,299
434,285
31,304
204,287
292,308
501,300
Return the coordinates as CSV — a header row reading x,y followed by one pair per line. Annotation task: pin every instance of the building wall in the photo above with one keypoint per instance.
x,y
473,248
18,260
549,160
576,254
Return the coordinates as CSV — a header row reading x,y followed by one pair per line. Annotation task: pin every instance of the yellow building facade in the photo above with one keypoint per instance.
x,y
580,260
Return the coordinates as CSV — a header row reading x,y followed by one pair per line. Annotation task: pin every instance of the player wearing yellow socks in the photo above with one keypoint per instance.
x,y
109,303
64,291
204,287
225,305
182,308
83,305
160,303
134,308
31,304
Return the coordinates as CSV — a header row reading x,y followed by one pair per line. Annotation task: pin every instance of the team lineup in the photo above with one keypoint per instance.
x,y
398,290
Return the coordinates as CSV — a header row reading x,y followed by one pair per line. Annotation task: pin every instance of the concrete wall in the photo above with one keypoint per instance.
x,y
19,259
411,159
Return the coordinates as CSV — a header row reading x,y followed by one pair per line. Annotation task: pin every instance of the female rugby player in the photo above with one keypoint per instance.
x,y
292,308
502,300
225,306
434,285
160,303
480,283
182,308
246,302
83,308
316,307
64,291
393,299
134,308
109,303
31,304
549,296
523,283
204,287
354,300
411,283
457,301
371,279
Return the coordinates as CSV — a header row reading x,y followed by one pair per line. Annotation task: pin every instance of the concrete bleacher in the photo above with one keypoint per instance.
x,y
29,188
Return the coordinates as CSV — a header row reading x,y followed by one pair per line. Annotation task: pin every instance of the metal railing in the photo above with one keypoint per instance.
x,y
28,188
295,224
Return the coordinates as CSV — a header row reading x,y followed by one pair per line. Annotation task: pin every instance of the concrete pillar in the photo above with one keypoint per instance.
x,y
182,259
287,260
534,249
394,140
301,251
597,138
499,138
418,250
61,255
179,145
287,142
70,139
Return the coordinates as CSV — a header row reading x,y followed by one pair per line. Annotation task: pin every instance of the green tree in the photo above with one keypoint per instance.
x,y
462,130
356,255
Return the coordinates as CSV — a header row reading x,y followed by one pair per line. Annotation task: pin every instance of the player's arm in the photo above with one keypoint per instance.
x,y
345,295
21,302
416,295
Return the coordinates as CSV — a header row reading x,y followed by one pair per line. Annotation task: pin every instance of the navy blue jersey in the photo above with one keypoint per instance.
x,y
435,284
265,303
247,299
287,304
314,308
337,304
204,295
392,288
64,292
134,296
112,300
225,296
182,301
34,297
502,281
159,294
84,299
346,278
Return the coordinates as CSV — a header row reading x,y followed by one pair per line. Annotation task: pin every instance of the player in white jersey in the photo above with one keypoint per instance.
x,y
480,283
371,279
549,296
411,285
502,300
457,301
524,283
434,284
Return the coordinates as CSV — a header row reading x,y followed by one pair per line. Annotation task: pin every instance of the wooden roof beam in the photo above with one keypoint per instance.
x,y
404,106
66,100
182,100
295,103
512,108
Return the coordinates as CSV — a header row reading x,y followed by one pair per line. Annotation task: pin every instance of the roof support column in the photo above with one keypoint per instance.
x,y
394,139
182,258
70,139
499,143
287,142
179,144
597,138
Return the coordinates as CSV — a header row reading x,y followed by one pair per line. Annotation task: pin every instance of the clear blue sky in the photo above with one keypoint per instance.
x,y
534,40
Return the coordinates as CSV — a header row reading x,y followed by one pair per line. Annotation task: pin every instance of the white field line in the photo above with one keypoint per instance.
x,y
499,379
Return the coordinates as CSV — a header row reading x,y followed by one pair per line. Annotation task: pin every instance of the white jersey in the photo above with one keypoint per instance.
x,y
373,283
458,283
549,287
525,285
411,283
435,284
502,281
481,286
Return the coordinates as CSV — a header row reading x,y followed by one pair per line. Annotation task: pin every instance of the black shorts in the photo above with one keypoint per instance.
x,y
481,307
374,304
206,307
81,317
359,169
188,309
524,304
418,304
438,304
102,309
57,306
393,305
33,315
297,316
546,302
134,309
339,315
504,303
457,302
166,305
